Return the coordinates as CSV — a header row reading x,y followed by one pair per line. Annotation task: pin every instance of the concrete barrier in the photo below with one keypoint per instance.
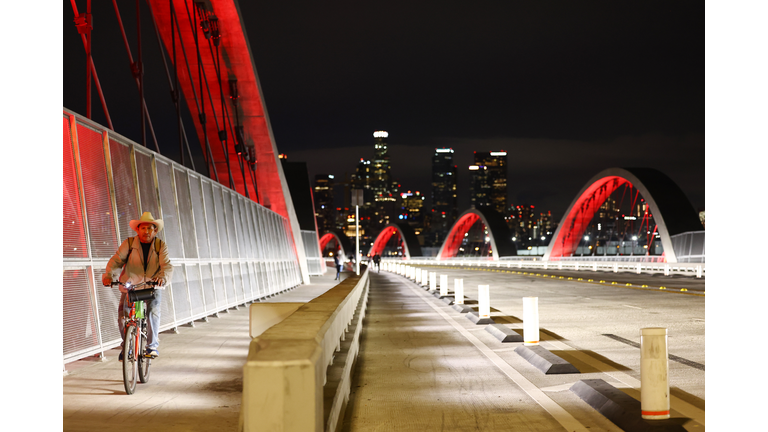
x,y
288,364
264,315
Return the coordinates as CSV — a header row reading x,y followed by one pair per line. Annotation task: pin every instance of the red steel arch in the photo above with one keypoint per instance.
x,y
655,188
326,238
493,221
406,237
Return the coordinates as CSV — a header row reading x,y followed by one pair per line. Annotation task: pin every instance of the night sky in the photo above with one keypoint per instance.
x,y
568,89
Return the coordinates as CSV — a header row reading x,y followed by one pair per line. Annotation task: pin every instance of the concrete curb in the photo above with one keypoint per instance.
x,y
545,361
504,333
462,308
472,316
622,409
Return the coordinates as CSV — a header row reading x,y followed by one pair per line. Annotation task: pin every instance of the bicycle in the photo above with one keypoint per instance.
x,y
135,361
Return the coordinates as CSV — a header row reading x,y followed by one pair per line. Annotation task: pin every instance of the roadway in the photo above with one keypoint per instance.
x,y
424,366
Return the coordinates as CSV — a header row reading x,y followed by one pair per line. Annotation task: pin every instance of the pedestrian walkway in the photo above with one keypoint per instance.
x,y
195,384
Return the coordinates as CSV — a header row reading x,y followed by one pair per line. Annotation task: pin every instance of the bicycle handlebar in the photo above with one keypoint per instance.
x,y
129,286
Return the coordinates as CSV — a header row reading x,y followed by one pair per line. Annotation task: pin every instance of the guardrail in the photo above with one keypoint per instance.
x,y
667,269
298,373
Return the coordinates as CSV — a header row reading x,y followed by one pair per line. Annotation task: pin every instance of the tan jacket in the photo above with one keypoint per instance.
x,y
133,270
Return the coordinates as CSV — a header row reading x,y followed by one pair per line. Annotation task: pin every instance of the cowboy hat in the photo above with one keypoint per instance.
x,y
146,218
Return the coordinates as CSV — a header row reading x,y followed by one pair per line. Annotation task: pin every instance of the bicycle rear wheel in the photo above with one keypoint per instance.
x,y
130,365
144,362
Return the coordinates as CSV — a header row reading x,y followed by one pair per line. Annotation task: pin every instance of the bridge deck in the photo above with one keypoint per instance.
x,y
422,365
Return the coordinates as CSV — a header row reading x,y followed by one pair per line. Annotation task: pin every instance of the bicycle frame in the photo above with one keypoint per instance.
x,y
136,318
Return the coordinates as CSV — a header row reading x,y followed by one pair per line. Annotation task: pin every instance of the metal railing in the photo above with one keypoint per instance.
x,y
667,269
315,263
226,249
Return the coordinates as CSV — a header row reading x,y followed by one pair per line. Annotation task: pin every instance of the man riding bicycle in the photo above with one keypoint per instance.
x,y
141,258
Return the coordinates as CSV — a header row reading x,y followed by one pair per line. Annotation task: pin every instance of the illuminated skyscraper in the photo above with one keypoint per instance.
x,y
381,178
489,180
323,198
444,193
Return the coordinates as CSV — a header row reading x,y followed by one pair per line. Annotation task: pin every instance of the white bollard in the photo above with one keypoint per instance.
x,y
443,285
432,281
698,271
594,267
639,268
417,277
531,320
577,266
424,277
458,291
666,269
483,301
616,267
654,373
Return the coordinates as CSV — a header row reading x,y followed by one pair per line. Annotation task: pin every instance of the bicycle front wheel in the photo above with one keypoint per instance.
x,y
130,365
144,361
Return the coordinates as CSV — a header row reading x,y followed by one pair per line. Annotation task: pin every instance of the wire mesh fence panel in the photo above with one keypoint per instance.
x,y
98,204
229,284
237,221
245,238
211,302
167,315
221,220
171,232
237,282
189,238
180,296
218,282
146,177
73,229
80,329
210,218
245,271
108,301
230,221
195,290
125,188
198,212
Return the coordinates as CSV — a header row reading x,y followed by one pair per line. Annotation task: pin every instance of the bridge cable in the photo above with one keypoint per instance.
x,y
135,69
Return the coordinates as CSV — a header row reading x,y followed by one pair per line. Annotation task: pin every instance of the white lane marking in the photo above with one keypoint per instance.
x,y
676,403
562,416
633,307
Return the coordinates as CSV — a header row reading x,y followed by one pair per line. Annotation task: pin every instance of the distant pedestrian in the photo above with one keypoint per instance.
x,y
338,267
377,261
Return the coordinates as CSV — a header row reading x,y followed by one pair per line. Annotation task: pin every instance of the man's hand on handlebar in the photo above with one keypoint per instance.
x,y
160,283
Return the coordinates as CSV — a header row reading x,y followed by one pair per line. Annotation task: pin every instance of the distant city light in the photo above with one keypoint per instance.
x,y
380,134
474,167
444,150
499,153
330,176
586,238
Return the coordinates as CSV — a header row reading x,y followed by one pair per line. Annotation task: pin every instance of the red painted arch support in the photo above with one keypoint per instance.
x,y
498,233
404,232
326,238
674,216
236,63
